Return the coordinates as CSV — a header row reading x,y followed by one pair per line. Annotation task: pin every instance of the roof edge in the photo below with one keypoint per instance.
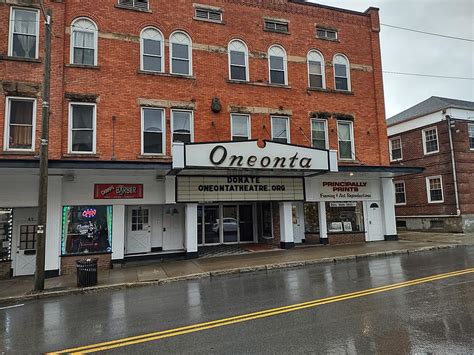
x,y
328,7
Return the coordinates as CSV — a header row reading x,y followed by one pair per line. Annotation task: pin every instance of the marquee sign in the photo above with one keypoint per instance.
x,y
118,191
238,188
248,155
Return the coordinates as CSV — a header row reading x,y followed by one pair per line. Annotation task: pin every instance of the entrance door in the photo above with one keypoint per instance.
x,y
230,224
298,222
25,257
139,230
375,223
246,229
211,225
173,228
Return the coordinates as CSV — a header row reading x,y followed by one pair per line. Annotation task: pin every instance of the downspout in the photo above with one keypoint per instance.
x,y
449,119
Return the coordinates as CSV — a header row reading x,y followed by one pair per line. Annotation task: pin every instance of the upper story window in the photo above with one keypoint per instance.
x,y
326,33
152,49
182,126
470,129
135,4
395,145
434,187
20,124
319,133
84,42
240,127
209,14
24,30
280,129
238,61
400,196
82,128
153,132
316,71
430,140
345,133
276,26
277,63
181,54
342,76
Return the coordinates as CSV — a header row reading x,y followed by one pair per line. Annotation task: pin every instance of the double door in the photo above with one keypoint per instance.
x,y
225,224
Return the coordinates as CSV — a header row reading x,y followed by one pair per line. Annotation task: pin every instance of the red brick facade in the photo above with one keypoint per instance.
x,y
118,85
68,263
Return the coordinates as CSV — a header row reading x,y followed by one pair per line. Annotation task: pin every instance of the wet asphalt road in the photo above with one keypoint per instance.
x,y
436,316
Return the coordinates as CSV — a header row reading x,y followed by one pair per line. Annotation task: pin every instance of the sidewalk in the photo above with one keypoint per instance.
x,y
156,273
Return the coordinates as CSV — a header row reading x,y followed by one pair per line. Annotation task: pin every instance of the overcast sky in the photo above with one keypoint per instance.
x,y
404,51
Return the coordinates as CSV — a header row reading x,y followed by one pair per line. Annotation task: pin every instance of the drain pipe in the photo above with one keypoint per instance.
x,y
451,123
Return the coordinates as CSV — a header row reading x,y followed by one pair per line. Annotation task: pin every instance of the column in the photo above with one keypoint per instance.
x,y
286,225
190,234
323,228
118,233
53,226
388,194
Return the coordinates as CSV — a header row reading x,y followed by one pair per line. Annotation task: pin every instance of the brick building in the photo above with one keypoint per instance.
x,y
140,86
437,134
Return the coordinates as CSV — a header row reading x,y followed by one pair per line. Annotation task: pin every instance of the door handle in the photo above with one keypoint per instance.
x,y
164,229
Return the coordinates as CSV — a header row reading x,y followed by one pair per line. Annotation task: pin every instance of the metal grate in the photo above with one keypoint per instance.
x,y
136,4
325,33
208,14
276,26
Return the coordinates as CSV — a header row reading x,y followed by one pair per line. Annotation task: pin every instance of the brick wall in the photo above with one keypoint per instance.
x,y
276,223
5,267
118,84
341,238
68,263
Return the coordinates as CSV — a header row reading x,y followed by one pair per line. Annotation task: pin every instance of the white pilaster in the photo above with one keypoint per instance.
x,y
118,232
323,227
388,194
190,240
53,224
170,189
286,225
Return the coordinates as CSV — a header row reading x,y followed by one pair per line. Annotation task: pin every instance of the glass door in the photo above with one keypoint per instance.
x,y
211,225
246,223
230,224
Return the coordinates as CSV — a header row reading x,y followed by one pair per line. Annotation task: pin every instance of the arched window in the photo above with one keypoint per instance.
x,y
84,42
152,49
238,61
181,54
277,65
342,74
316,71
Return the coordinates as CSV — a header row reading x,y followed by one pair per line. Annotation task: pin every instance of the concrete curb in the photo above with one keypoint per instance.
x,y
224,272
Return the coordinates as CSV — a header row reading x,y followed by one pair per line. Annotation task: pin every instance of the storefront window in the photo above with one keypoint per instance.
x,y
345,217
311,218
86,229
6,219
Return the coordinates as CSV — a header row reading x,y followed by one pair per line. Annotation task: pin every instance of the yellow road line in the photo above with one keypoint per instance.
x,y
255,315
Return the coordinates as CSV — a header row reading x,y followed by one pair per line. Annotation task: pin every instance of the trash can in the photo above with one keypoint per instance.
x,y
86,272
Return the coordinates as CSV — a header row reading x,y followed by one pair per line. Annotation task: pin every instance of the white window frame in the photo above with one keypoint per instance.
x,y
134,6
249,125
470,126
287,119
94,126
11,27
285,65
191,124
395,192
352,141
348,72
423,137
428,190
162,45
163,130
323,68
390,148
326,133
96,41
6,140
326,31
247,69
190,53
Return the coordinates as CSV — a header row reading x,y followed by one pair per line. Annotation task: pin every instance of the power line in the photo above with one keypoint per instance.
x,y
428,33
428,75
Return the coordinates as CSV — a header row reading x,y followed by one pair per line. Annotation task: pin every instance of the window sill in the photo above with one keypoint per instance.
x,y
277,32
256,83
20,152
169,75
328,40
85,254
208,21
20,59
124,7
343,232
331,91
435,202
82,155
82,66
155,157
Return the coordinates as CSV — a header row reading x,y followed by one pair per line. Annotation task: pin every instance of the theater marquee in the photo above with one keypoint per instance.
x,y
238,188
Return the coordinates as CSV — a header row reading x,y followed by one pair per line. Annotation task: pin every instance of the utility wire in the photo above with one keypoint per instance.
x,y
428,33
428,75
